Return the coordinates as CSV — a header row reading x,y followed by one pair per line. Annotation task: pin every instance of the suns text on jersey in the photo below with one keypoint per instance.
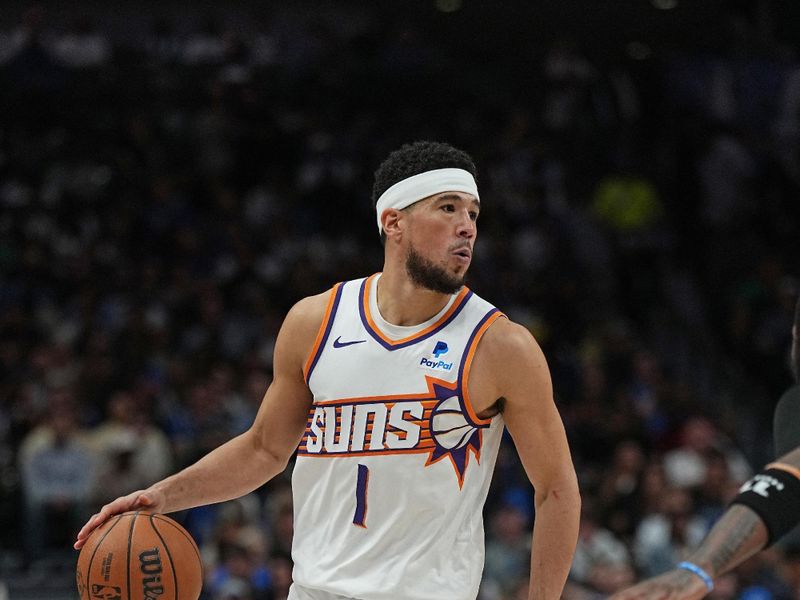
x,y
368,427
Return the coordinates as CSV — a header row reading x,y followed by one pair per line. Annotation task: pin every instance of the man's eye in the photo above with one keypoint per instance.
x,y
448,208
473,216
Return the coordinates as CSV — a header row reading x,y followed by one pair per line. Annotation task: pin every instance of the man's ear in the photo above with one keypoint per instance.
x,y
393,223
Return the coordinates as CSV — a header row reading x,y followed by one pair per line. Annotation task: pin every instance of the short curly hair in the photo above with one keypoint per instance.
x,y
418,157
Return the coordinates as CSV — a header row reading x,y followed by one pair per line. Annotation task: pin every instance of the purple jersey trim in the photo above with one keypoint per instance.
x,y
325,335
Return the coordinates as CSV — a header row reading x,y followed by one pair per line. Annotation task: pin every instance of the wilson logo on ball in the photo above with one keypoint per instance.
x,y
150,565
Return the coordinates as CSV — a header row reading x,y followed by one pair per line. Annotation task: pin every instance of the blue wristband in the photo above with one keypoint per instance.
x,y
699,572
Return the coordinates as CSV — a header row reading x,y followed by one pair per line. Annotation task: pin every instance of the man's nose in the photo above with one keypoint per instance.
x,y
466,226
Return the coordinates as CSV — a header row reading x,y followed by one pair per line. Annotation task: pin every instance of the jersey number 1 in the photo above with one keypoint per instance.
x,y
362,484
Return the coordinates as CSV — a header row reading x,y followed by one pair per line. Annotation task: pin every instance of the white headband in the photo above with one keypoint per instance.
x,y
413,189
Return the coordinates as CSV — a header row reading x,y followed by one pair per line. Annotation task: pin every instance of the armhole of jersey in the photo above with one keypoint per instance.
x,y
324,331
466,362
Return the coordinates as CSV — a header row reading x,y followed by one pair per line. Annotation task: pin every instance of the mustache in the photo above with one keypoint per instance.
x,y
460,246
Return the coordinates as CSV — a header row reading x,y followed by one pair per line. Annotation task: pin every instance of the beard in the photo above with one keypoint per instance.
x,y
432,277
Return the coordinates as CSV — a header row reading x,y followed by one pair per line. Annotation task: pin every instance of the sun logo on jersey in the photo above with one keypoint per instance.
x,y
454,434
436,422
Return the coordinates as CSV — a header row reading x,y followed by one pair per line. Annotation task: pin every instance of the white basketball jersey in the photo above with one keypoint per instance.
x,y
394,468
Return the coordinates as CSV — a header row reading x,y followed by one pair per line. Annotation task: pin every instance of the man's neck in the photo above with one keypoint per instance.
x,y
403,303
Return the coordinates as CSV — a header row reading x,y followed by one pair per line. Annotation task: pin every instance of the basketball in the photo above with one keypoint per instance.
x,y
449,426
139,556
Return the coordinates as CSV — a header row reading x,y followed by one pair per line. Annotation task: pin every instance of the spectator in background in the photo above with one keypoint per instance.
x,y
281,568
664,538
233,589
116,468
685,466
651,489
618,486
130,448
602,562
508,549
57,468
235,524
278,508
571,81
222,387
240,567
197,424
717,489
244,410
27,55
83,46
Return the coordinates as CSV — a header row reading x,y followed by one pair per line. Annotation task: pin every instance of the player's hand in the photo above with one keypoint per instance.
x,y
149,499
677,584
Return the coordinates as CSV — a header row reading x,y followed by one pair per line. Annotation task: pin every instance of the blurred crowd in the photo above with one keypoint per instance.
x,y
169,189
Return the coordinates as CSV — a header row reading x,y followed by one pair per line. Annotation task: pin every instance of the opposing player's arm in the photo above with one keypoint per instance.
x,y
247,461
764,510
512,368
769,510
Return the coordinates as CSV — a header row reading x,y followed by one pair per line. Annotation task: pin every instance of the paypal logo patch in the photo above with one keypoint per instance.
x,y
434,362
439,365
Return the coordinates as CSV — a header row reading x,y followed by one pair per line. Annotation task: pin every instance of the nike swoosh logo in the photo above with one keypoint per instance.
x,y
338,344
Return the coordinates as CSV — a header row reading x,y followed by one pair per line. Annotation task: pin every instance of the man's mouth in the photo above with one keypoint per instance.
x,y
464,254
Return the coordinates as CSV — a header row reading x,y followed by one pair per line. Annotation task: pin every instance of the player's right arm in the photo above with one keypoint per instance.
x,y
249,460
737,536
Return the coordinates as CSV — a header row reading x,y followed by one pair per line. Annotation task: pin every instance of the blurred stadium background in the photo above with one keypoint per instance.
x,y
174,177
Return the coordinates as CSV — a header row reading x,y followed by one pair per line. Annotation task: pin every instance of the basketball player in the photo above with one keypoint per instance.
x,y
394,391
767,507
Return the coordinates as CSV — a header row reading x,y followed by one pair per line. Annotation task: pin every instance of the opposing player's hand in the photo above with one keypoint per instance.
x,y
149,499
677,584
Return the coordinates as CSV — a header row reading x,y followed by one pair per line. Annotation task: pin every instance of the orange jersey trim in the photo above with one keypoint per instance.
x,y
324,329
467,365
420,334
354,454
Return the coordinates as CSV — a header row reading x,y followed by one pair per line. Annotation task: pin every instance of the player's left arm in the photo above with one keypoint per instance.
x,y
510,366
